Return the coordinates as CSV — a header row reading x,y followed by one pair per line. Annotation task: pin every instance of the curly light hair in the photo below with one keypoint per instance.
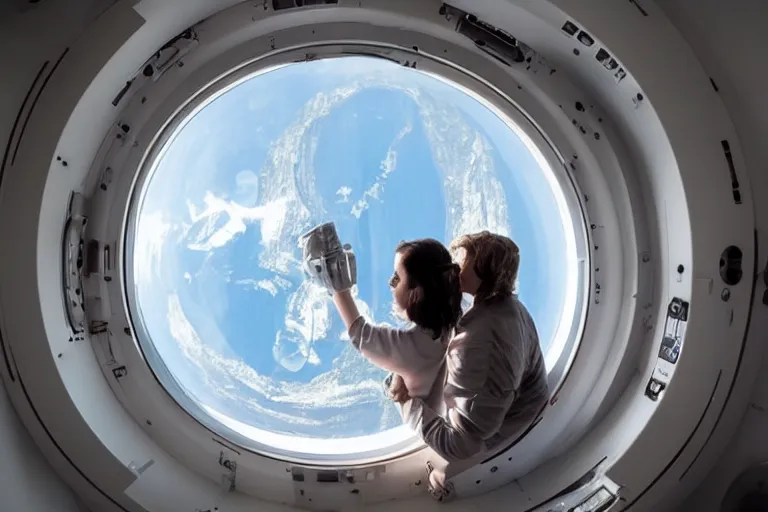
x,y
497,260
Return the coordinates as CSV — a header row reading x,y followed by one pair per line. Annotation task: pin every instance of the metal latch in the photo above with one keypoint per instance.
x,y
492,40
654,389
73,262
228,479
161,61
170,54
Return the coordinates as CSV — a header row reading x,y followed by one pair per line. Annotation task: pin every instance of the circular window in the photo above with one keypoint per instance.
x,y
222,311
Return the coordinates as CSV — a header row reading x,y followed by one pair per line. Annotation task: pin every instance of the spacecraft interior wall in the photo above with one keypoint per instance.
x,y
27,480
656,160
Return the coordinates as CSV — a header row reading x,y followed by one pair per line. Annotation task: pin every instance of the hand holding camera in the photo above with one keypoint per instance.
x,y
325,261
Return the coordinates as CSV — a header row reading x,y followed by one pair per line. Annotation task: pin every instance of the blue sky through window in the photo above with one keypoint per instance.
x,y
388,153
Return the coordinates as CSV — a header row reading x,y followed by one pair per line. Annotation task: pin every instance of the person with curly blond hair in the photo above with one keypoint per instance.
x,y
496,381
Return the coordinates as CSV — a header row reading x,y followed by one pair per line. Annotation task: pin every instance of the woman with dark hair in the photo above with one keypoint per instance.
x,y
426,291
496,382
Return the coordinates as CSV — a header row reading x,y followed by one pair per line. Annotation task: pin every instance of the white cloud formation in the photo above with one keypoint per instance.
x,y
247,187
387,167
222,220
224,375
152,233
343,193
272,286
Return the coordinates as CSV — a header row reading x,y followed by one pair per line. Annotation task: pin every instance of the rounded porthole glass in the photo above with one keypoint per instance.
x,y
222,311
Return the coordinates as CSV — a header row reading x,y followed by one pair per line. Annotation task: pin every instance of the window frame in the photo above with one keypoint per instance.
x,y
402,440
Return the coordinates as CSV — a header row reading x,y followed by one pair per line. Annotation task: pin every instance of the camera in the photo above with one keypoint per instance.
x,y
325,261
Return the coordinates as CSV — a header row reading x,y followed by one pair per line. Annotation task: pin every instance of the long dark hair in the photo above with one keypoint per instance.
x,y
428,264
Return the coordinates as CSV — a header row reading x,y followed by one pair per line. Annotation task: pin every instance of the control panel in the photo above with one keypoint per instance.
x,y
671,345
674,330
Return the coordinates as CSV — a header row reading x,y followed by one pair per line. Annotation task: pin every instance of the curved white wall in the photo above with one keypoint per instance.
x,y
728,41
27,482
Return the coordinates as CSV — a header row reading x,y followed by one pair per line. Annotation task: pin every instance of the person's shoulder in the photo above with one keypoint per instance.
x,y
483,314
472,319
509,309
476,328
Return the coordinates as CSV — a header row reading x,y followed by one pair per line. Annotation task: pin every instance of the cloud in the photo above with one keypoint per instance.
x,y
286,184
307,311
474,196
222,220
225,376
360,206
247,188
148,249
387,166
272,286
344,193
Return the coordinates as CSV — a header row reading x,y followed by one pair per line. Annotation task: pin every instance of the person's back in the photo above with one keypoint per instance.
x,y
496,382
496,340
533,391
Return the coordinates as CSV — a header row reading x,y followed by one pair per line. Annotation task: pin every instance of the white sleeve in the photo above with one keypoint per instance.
x,y
386,347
